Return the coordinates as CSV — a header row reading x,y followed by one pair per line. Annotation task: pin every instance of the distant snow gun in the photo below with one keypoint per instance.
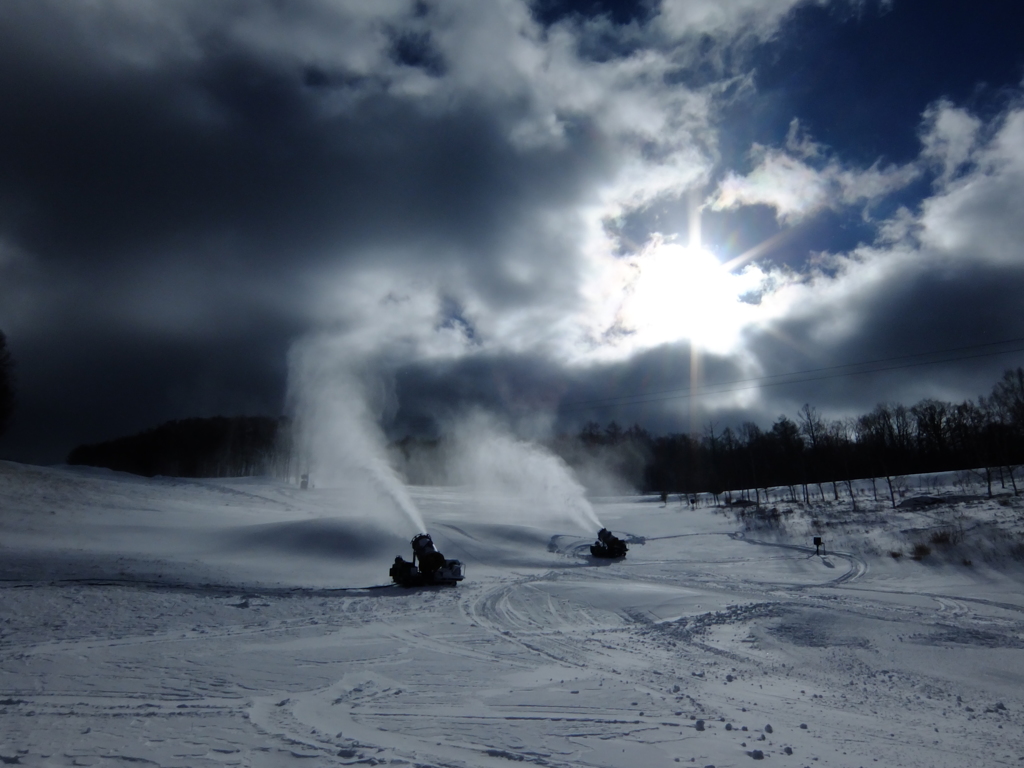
x,y
608,545
428,567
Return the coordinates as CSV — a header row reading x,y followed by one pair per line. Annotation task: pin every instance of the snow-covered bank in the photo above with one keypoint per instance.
x,y
191,623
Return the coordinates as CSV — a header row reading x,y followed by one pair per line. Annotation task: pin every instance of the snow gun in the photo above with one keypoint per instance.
x,y
608,545
428,567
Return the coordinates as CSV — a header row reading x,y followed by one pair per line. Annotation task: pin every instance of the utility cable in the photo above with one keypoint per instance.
x,y
767,381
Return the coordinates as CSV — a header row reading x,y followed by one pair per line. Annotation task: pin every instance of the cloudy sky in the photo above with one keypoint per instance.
x,y
666,212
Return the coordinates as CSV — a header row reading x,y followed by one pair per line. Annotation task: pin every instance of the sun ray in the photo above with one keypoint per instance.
x,y
759,250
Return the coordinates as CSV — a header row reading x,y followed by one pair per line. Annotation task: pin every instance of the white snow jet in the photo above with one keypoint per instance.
x,y
337,407
517,481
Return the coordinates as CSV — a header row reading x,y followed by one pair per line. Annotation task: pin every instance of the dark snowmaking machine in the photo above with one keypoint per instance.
x,y
428,567
608,545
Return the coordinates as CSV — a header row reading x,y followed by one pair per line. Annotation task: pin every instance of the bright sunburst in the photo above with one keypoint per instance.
x,y
675,292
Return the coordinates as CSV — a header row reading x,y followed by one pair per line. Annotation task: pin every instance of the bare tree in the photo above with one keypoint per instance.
x,y
931,423
1006,415
812,426
1008,397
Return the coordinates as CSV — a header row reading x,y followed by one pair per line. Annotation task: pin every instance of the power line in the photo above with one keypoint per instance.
x,y
767,381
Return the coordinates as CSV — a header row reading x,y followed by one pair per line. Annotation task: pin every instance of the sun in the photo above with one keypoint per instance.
x,y
673,292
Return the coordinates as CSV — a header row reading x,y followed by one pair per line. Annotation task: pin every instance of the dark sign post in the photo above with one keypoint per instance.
x,y
817,544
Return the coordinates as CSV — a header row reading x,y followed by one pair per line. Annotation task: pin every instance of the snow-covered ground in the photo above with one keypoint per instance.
x,y
247,622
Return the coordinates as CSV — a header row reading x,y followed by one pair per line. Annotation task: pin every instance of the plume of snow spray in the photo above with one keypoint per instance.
x,y
337,409
518,481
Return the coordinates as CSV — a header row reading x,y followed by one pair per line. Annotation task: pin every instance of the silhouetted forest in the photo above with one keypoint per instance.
x,y
814,456
6,385
811,455
240,446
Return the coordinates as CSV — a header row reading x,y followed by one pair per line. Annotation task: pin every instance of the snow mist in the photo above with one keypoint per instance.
x,y
337,409
517,481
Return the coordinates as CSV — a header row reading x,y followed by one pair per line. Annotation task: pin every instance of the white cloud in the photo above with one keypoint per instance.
x,y
724,17
871,184
796,189
799,181
970,225
799,143
545,278
949,136
787,184
977,216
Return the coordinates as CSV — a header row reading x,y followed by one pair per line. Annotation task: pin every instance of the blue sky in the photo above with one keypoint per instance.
x,y
520,207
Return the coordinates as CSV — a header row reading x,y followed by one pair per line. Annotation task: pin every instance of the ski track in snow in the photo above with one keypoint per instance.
x,y
136,627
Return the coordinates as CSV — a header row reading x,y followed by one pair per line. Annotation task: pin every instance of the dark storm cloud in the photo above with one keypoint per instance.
x,y
933,298
194,195
111,169
654,387
464,194
648,388
935,336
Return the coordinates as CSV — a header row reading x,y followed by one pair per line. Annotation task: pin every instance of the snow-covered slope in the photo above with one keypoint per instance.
x,y
246,622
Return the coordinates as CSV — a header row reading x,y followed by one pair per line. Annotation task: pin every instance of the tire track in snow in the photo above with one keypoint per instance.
x,y
217,590
858,566
506,612
978,600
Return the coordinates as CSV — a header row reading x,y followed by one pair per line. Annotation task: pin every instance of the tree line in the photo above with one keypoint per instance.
x,y
808,454
215,447
239,446
6,384
813,454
